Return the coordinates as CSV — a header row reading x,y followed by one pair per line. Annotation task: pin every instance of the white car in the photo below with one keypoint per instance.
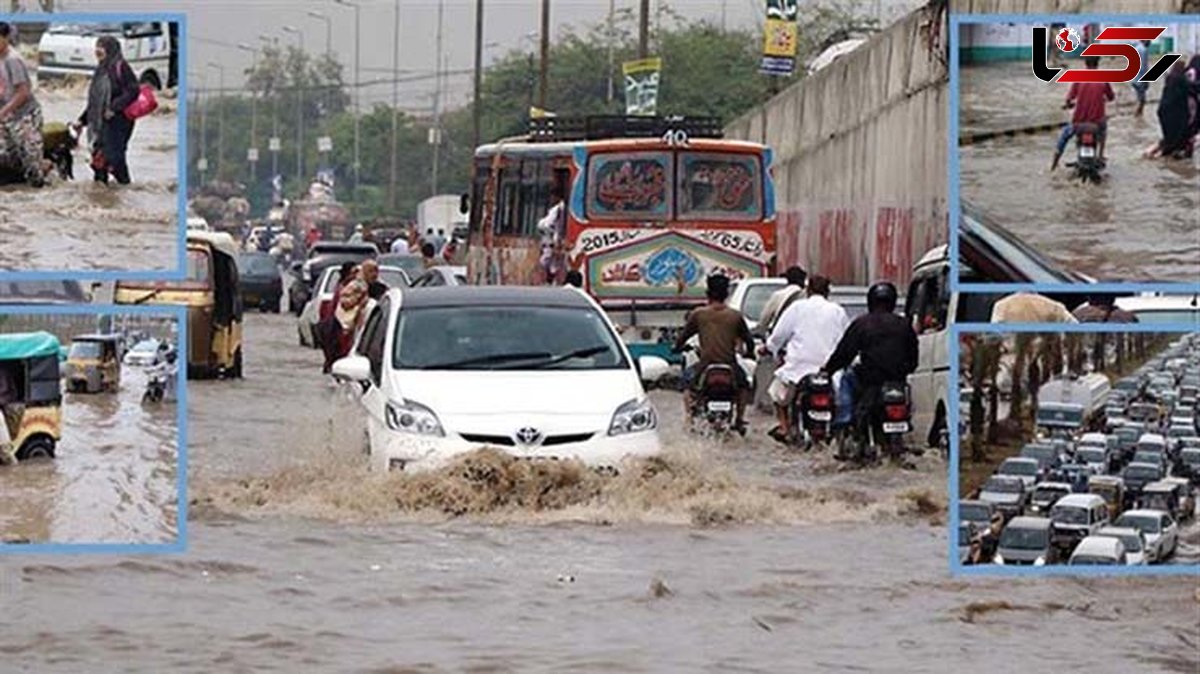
x,y
443,275
146,353
1161,532
536,372
393,277
1099,550
1132,539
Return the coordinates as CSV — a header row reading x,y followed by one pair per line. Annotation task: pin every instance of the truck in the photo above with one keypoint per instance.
x,y
319,209
1072,404
442,212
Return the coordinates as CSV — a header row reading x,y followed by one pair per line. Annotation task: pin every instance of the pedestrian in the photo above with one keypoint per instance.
x,y
113,88
400,244
328,329
1193,78
1173,116
359,234
370,276
552,228
21,148
9,396
349,314
428,255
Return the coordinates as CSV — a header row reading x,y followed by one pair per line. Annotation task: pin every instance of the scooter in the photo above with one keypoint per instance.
x,y
813,409
161,381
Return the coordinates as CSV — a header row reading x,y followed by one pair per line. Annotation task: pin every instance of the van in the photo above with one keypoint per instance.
x,y
68,49
1076,517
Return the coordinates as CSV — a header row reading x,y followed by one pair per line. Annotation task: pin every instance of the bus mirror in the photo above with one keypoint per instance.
x,y
464,204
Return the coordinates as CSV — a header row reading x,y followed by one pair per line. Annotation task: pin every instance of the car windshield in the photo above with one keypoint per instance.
x,y
86,350
392,278
1049,494
413,265
1191,457
1021,538
1147,524
258,265
1142,472
1003,486
1089,560
1132,542
1091,454
974,512
756,298
1010,467
1069,515
145,347
1147,456
505,338
1041,453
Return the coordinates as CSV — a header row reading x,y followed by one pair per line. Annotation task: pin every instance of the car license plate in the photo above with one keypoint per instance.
x,y
820,415
895,427
720,406
1087,151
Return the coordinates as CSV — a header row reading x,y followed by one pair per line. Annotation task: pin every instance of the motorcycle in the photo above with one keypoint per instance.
x,y
160,383
889,419
1087,147
716,399
813,409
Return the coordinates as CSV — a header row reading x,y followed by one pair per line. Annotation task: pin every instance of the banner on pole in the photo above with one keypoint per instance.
x,y
202,165
324,144
780,38
275,145
641,86
252,154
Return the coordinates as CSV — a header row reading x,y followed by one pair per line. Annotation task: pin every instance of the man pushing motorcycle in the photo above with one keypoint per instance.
x,y
721,329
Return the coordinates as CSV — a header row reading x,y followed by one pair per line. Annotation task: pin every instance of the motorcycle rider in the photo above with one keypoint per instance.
x,y
885,345
720,328
1088,99
807,332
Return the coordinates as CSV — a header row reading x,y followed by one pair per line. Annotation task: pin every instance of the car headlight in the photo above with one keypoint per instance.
x,y
411,417
1040,561
634,416
998,559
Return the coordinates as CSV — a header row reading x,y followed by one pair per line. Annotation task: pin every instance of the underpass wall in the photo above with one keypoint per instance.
x,y
860,147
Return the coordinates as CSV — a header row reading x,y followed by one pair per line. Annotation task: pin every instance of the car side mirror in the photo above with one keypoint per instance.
x,y
464,204
651,369
352,368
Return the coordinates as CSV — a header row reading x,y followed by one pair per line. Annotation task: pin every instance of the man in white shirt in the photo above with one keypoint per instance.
x,y
400,245
765,367
552,229
808,332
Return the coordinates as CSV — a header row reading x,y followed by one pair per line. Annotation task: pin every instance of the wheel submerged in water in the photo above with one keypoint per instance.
x,y
36,448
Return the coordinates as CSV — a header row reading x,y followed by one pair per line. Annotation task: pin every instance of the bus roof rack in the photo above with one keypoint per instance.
x,y
604,127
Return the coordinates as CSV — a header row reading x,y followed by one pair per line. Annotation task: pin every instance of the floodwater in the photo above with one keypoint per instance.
x,y
81,225
1142,223
113,480
736,557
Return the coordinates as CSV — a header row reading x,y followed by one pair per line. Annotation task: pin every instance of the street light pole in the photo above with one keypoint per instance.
x,y
328,48
253,113
274,114
357,91
220,116
395,104
545,54
476,107
299,108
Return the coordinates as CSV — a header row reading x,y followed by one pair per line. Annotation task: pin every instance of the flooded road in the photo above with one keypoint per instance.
x,y
81,225
1141,224
113,480
715,558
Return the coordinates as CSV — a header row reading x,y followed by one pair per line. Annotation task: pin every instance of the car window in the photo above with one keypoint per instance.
x,y
374,335
756,298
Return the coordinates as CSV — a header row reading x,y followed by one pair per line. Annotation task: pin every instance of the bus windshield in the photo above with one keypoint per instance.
x,y
716,186
630,185
707,186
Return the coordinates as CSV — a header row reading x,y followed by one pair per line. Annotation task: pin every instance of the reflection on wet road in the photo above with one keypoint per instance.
x,y
717,558
113,481
1142,223
82,225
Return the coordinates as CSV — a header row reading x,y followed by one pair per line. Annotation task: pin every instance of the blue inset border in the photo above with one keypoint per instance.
x,y
952,163
952,483
179,545
179,272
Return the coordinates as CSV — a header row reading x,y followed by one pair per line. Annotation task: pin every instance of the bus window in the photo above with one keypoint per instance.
x,y
535,194
629,185
719,186
508,201
483,171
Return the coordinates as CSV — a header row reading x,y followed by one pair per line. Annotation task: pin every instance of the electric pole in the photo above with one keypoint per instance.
x,y
644,30
437,103
477,110
395,104
545,55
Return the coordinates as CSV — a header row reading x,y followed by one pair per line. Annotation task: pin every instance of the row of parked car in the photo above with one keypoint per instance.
x,y
1111,497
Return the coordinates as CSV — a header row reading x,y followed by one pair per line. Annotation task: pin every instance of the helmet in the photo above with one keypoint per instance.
x,y
882,297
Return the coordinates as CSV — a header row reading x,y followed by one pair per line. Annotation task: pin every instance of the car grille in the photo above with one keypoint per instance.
x,y
505,441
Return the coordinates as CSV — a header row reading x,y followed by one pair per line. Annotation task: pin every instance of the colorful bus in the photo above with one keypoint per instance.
x,y
654,206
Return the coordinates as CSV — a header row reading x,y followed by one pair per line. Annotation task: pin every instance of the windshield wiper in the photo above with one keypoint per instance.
x,y
494,359
578,353
148,296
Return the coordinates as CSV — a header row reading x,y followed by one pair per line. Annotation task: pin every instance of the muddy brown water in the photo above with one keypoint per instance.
x,y
113,480
738,557
1142,223
80,225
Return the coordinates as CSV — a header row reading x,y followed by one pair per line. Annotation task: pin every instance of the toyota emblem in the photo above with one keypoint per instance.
x,y
529,437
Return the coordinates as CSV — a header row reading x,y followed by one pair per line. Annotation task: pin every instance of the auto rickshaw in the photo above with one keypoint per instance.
x,y
210,293
94,364
1186,493
30,395
1111,489
1162,496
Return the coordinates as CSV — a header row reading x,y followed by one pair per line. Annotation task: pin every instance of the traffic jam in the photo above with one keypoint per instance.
x,y
1109,479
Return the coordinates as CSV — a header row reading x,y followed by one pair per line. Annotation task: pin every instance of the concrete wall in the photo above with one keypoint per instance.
x,y
860,147
860,156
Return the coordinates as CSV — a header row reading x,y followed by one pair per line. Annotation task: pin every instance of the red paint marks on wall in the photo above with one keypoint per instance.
x,y
836,248
893,243
788,250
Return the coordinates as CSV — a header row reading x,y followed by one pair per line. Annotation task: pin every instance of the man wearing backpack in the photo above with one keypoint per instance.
x,y
764,369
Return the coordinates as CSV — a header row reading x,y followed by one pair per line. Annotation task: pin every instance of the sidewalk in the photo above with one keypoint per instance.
x,y
1006,99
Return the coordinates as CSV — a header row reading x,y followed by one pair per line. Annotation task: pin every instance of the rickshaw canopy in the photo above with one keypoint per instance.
x,y
20,346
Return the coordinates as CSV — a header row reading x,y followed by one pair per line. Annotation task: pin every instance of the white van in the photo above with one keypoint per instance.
x,y
68,49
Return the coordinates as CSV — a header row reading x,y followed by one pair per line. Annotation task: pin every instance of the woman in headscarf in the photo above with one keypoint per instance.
x,y
350,313
113,88
1193,78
